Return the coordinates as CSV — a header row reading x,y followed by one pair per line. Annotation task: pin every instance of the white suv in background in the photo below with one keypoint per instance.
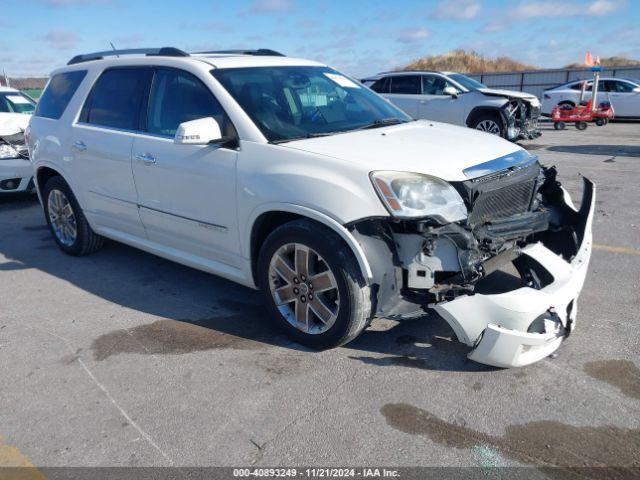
x,y
16,173
455,98
623,94
286,175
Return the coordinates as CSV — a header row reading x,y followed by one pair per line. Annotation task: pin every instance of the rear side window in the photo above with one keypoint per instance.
x,y
406,84
117,98
58,93
177,97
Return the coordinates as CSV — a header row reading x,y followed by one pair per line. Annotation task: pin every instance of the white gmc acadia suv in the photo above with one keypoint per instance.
x,y
286,175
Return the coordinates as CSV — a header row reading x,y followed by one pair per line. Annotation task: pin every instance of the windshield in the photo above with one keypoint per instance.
x,y
16,102
466,82
293,102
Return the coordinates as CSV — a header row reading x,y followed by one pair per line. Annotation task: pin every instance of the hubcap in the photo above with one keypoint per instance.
x,y
62,218
488,126
304,288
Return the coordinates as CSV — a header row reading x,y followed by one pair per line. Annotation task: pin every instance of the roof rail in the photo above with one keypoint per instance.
x,y
260,52
163,52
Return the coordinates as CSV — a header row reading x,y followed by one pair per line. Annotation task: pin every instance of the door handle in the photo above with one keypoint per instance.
x,y
147,159
80,145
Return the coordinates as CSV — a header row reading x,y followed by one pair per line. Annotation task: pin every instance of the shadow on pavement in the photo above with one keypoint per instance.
x,y
598,149
199,311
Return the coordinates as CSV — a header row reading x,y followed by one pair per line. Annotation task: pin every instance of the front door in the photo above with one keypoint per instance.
x,y
623,98
186,193
437,105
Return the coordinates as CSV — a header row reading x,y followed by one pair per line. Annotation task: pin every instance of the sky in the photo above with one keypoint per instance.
x,y
359,37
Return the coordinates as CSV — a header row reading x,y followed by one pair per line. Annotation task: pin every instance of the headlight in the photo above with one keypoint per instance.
x,y
413,195
7,151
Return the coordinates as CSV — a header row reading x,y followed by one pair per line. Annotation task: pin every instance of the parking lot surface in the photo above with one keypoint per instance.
x,y
122,358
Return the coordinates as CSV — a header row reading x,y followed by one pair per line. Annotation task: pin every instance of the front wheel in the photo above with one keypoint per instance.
x,y
600,122
490,124
312,285
559,125
581,125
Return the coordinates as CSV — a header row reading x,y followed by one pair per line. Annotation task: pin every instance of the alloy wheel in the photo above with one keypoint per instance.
x,y
489,126
62,218
304,288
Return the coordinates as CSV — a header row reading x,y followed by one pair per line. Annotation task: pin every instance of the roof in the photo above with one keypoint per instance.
x,y
8,89
405,72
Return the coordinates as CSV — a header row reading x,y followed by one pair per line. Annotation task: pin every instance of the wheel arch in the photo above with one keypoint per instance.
x,y
269,217
477,112
43,174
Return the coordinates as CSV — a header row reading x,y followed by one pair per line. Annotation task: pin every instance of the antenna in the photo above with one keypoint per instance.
x,y
114,49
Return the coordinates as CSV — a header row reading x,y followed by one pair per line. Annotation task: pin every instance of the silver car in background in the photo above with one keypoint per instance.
x,y
455,98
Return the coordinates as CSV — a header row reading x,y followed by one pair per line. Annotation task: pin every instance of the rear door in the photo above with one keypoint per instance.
x,y
436,105
405,92
101,147
186,193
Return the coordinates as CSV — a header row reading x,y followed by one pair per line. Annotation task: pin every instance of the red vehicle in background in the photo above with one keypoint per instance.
x,y
583,113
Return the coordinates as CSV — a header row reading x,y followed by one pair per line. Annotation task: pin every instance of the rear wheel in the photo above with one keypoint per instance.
x,y
312,285
559,125
67,223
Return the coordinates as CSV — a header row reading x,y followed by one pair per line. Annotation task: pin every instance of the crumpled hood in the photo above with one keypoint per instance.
x,y
511,93
12,123
426,147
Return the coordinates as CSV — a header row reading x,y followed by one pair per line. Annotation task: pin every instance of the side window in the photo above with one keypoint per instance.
x,y
434,85
178,96
620,87
576,86
381,85
406,84
116,98
58,94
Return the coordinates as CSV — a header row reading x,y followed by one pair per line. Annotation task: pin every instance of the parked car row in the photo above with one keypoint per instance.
x,y
287,176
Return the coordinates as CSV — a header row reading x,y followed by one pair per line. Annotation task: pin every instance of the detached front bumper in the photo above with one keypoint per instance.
x,y
525,325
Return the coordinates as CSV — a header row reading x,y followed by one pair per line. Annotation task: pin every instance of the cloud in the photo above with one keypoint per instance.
x,y
266,7
457,10
61,39
492,27
412,36
539,9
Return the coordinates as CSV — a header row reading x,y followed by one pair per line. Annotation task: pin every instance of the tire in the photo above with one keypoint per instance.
x,y
334,316
559,125
581,125
489,123
600,122
56,197
568,105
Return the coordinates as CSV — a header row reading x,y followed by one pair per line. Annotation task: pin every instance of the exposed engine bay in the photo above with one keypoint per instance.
x,y
521,118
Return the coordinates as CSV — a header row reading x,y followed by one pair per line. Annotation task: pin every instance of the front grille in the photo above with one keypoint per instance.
x,y
500,195
502,203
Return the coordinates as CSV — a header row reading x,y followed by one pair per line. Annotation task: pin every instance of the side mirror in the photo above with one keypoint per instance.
x,y
202,131
449,90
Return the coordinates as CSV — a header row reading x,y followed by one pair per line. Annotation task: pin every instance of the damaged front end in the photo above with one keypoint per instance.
x,y
519,216
521,119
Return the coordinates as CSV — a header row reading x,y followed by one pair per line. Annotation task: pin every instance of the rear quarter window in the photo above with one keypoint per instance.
x,y
58,94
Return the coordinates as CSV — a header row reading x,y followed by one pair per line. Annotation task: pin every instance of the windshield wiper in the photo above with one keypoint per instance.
x,y
384,122
303,137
